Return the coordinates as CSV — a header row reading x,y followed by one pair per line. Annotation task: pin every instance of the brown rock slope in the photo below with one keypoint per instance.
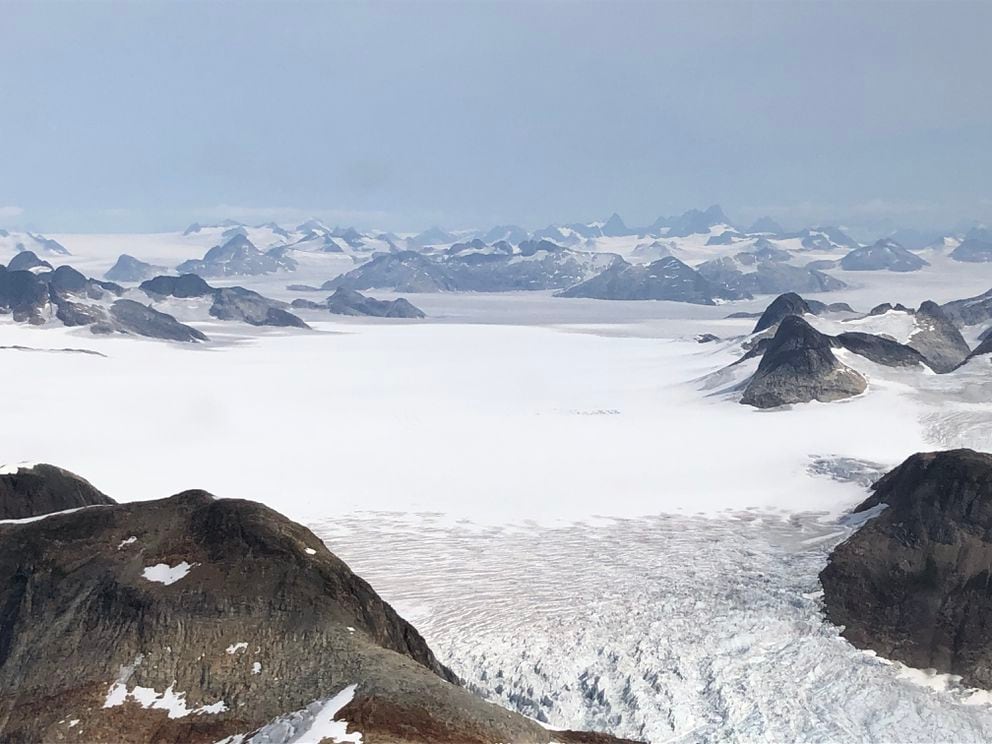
x,y
192,619
914,583
30,490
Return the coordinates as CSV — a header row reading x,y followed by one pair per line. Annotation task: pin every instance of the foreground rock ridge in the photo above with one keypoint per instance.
x,y
913,584
193,619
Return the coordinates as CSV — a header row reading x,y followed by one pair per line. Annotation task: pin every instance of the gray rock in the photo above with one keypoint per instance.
x,y
238,303
786,304
912,583
665,279
971,310
27,260
23,295
129,316
184,286
130,269
937,339
236,257
350,302
884,255
973,250
406,271
798,367
880,349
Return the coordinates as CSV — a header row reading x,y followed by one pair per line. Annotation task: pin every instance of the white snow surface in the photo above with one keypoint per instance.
x,y
311,725
163,573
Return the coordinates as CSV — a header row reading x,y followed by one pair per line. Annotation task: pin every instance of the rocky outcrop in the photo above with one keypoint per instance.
x,y
32,490
884,255
23,295
130,269
533,265
192,619
973,250
799,366
937,339
238,256
247,306
28,261
350,302
880,349
665,279
129,316
782,306
185,285
405,271
971,310
913,583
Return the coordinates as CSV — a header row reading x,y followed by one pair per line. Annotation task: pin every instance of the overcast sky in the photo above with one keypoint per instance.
x,y
148,115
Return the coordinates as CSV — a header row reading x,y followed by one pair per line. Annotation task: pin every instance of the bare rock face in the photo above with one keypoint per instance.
x,y
799,366
32,490
913,583
129,316
937,339
789,303
131,269
350,302
192,619
248,306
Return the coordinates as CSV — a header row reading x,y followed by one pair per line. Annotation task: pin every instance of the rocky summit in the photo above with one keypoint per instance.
x,y
913,583
193,619
31,490
799,366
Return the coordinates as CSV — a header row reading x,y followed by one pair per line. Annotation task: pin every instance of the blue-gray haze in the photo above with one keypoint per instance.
x,y
147,115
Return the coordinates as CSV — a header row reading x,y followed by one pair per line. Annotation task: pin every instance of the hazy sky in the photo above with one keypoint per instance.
x,y
147,115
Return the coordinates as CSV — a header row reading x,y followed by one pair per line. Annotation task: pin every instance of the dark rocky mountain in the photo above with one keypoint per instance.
x,y
984,348
971,310
129,316
405,271
238,256
880,349
350,302
746,275
33,490
535,265
937,339
764,250
130,269
35,242
665,279
26,261
799,366
184,286
648,252
247,306
886,307
512,234
23,295
694,221
194,619
884,255
913,583
826,238
973,250
786,304
615,228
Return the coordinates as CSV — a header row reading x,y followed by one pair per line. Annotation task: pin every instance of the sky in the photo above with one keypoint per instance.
x,y
121,116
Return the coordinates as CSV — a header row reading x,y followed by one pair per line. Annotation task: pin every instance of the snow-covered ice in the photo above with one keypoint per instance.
x,y
163,573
